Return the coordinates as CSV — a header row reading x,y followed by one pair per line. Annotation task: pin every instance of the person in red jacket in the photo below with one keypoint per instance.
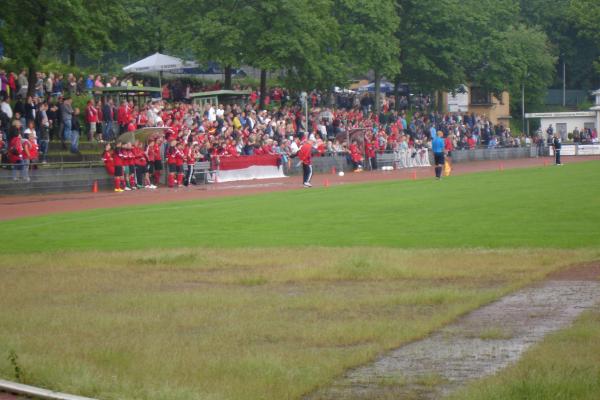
x,y
171,155
118,166
305,155
449,145
191,155
109,162
131,125
91,117
142,177
34,149
123,116
356,156
15,156
180,158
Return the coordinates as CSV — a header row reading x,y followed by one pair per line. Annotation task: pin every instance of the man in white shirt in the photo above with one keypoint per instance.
x,y
212,114
5,107
220,111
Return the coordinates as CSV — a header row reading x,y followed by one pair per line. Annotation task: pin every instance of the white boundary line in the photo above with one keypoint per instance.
x,y
38,393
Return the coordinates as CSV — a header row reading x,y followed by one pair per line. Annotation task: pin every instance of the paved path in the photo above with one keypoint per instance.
x,y
477,345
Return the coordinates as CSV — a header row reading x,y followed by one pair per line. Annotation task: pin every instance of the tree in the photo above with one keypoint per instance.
x,y
293,35
569,24
30,24
584,15
432,34
516,58
151,27
368,41
214,31
85,27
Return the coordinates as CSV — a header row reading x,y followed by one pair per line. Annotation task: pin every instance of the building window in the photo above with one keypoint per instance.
x,y
480,96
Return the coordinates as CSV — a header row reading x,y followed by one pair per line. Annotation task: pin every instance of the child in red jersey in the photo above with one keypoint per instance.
x,y
109,163
118,166
356,157
171,156
158,162
191,155
15,156
129,164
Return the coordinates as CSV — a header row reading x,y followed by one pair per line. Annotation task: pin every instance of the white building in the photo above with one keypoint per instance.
x,y
566,122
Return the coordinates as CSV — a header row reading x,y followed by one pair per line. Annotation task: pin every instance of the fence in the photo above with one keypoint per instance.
x,y
55,177
79,176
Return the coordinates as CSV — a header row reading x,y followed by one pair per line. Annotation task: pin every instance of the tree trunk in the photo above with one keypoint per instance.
x,y
39,44
31,78
377,91
397,93
228,77
440,101
263,88
71,56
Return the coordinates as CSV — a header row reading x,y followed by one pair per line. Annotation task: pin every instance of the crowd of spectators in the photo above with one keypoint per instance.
x,y
225,130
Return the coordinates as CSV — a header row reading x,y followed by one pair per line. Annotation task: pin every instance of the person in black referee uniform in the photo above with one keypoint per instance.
x,y
557,146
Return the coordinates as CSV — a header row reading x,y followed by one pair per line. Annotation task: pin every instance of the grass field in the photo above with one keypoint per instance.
x,y
539,207
271,296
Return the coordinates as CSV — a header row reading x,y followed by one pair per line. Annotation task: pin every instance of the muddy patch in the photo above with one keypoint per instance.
x,y
477,345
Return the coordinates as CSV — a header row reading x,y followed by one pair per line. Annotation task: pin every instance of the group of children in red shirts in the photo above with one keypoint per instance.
x,y
135,167
22,151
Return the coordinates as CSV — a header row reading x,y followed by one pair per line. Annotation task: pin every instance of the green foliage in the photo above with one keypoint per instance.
x,y
432,47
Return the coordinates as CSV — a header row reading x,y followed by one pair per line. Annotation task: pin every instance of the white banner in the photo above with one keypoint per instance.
x,y
246,174
588,149
577,150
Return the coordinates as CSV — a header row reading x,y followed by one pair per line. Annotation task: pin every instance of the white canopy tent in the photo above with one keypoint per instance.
x,y
158,63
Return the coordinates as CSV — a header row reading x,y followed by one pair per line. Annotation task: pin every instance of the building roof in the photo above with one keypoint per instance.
x,y
576,114
222,93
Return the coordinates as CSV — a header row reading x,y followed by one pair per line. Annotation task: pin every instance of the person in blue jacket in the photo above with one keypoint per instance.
x,y
438,146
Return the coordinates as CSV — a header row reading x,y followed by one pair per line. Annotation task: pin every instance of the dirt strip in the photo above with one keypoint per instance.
x,y
477,345
12,207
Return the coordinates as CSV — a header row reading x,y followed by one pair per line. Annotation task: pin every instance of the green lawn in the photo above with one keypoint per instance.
x,y
271,296
539,207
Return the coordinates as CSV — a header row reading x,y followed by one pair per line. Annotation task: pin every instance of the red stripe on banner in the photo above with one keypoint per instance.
x,y
229,163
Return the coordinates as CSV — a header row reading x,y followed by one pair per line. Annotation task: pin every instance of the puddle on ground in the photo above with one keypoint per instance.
x,y
479,344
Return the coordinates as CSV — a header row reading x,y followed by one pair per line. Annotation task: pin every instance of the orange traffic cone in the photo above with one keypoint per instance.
x,y
95,187
326,183
414,175
545,163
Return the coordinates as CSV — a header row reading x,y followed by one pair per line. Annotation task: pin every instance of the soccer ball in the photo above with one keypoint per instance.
x,y
341,173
